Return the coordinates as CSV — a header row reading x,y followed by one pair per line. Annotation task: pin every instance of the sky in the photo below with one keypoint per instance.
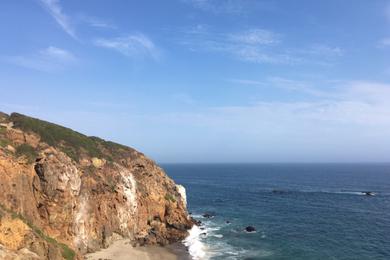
x,y
206,80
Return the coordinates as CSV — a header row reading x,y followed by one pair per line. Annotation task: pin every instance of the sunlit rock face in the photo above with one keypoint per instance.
x,y
86,192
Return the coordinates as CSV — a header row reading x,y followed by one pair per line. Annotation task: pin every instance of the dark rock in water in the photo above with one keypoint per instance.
x,y
208,215
250,229
202,228
197,222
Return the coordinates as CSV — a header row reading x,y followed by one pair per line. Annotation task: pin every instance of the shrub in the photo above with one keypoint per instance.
x,y
68,140
28,151
4,142
170,197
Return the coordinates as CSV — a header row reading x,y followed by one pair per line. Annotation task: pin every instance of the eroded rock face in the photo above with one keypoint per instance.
x,y
89,202
18,241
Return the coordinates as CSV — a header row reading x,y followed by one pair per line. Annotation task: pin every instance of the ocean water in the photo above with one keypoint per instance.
x,y
300,211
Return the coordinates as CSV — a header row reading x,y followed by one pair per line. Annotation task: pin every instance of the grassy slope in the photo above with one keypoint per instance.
x,y
69,141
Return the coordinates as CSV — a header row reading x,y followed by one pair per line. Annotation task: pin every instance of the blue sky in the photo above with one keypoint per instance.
x,y
206,80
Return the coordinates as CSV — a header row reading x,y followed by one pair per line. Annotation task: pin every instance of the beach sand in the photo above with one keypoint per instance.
x,y
122,250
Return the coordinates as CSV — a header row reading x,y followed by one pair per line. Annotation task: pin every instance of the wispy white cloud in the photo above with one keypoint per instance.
x,y
235,7
384,42
96,22
353,103
257,54
387,11
323,50
256,45
255,37
183,98
229,6
48,60
137,45
53,7
287,84
357,102
247,82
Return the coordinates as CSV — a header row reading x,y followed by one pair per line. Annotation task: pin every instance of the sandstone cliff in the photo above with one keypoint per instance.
x,y
61,191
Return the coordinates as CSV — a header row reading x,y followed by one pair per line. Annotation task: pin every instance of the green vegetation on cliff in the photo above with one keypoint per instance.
x,y
70,142
28,151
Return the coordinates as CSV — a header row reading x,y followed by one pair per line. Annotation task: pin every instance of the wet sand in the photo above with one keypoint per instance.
x,y
122,250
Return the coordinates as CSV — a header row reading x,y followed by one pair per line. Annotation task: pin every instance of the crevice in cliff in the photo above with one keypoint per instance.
x,y
38,167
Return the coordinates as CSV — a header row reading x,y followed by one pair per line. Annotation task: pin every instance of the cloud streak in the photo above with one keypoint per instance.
x,y
96,22
256,45
384,42
289,85
133,46
233,7
46,60
387,11
230,6
54,8
255,37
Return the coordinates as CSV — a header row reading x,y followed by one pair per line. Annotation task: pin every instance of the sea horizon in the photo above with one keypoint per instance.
x,y
216,163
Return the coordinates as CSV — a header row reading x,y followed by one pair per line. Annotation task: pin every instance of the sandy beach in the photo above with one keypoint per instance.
x,y
122,250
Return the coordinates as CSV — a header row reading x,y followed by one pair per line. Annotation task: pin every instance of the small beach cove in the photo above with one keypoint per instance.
x,y
123,250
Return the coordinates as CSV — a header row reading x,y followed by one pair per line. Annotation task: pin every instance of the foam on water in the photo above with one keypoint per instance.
x,y
196,248
207,242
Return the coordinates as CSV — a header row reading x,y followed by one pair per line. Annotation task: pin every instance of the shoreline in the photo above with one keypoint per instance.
x,y
123,250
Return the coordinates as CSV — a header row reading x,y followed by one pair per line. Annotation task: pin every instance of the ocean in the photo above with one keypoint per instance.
x,y
299,211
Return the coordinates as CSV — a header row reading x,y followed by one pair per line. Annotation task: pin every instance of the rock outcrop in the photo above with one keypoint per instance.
x,y
73,192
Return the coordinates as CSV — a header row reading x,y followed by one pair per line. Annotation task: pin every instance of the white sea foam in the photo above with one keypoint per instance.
x,y
195,246
359,193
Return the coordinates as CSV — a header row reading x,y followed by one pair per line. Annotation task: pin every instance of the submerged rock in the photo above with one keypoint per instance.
x,y
279,191
208,215
250,229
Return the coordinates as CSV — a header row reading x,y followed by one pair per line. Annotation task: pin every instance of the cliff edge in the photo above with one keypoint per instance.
x,y
63,194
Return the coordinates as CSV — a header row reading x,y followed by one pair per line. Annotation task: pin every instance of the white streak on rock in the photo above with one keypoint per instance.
x,y
129,186
183,194
81,219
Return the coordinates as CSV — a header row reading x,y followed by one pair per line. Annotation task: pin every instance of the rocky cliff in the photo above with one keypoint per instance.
x,y
63,194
